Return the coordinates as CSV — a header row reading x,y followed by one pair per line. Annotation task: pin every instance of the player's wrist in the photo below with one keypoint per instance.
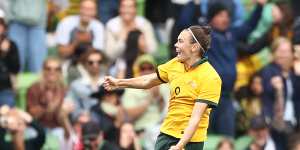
x,y
119,83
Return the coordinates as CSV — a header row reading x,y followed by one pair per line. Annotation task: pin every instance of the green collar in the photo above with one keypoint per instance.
x,y
199,62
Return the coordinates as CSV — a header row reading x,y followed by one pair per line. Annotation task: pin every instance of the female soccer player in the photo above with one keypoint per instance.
x,y
195,88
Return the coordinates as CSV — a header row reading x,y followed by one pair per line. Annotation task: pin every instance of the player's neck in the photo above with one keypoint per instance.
x,y
190,62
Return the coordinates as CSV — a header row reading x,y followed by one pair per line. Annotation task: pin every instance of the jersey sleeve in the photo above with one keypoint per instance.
x,y
162,71
210,91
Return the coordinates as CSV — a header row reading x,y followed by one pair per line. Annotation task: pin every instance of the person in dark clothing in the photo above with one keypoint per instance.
x,y
128,138
235,7
15,122
93,138
108,113
223,57
281,103
9,66
296,68
159,16
134,48
295,5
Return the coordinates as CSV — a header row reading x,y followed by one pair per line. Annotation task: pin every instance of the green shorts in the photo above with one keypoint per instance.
x,y
164,142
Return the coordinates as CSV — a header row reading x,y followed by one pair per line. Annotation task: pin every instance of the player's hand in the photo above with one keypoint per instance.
x,y
110,83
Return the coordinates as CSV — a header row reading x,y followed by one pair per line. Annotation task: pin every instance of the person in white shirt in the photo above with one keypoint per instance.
x,y
75,34
119,27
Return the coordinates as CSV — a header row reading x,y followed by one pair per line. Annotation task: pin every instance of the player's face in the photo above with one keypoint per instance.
x,y
183,46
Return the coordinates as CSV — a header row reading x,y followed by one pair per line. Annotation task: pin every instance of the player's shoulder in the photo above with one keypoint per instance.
x,y
173,61
210,71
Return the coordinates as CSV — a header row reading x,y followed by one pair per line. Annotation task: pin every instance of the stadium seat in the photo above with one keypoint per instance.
x,y
243,142
212,142
24,81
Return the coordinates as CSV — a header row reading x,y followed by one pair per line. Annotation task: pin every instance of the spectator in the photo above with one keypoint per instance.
x,y
93,138
119,27
281,67
128,140
248,64
75,140
259,131
79,69
15,121
27,29
235,7
81,88
75,34
45,97
223,57
9,65
250,104
225,144
108,112
279,82
271,16
144,107
135,46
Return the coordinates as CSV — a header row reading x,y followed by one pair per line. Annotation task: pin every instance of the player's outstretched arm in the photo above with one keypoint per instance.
x,y
142,82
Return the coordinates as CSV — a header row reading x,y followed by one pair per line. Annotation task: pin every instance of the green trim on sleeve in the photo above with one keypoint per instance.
x,y
157,72
209,103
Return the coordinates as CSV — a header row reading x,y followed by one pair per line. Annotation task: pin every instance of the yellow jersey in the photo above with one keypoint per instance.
x,y
201,83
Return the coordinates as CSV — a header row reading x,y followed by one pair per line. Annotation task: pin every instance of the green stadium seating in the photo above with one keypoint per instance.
x,y
24,81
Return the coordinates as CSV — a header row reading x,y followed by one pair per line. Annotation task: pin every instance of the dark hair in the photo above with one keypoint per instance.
x,y
132,50
2,22
121,1
215,8
84,57
246,91
202,34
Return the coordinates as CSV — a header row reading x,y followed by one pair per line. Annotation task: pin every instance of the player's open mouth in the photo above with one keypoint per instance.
x,y
178,51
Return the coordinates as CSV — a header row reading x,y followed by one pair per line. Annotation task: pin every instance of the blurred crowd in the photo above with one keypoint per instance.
x,y
68,46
